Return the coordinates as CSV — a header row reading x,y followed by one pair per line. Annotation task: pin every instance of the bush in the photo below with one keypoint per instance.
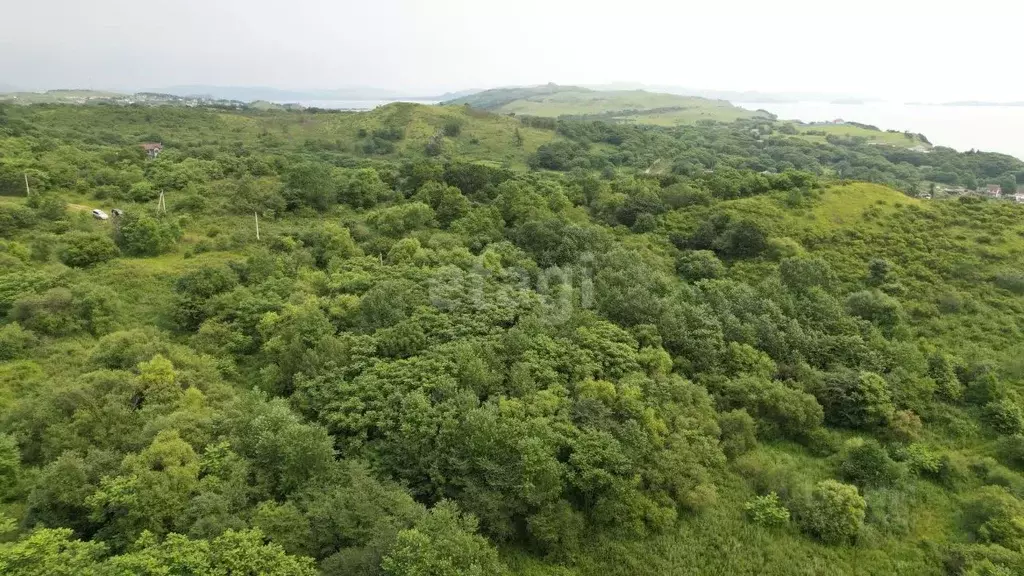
x,y
767,510
700,265
444,543
682,195
921,459
1011,451
1005,416
81,249
835,512
61,312
855,400
143,235
1011,281
876,307
742,239
905,426
739,432
866,463
452,127
994,515
14,341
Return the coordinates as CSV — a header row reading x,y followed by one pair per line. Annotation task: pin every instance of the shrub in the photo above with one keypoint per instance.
x,y
835,512
14,340
855,400
700,265
983,386
767,510
81,249
1011,281
802,274
742,239
143,235
994,515
866,463
1005,416
921,459
875,307
905,426
739,432
452,127
1011,450
61,312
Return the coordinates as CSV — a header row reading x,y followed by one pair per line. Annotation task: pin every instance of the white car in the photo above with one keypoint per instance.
x,y
99,214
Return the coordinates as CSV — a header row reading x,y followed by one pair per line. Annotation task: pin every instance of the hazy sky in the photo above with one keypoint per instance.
x,y
900,49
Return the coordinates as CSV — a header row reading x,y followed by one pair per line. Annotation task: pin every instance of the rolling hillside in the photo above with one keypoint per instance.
x,y
637,106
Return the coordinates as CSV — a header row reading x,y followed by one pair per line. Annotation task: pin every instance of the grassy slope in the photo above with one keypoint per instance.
x,y
851,131
554,101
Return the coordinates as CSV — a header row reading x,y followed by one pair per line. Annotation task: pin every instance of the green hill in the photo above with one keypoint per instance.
x,y
436,340
636,106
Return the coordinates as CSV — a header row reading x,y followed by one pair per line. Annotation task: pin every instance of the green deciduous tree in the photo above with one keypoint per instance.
x,y
80,249
139,234
444,543
835,512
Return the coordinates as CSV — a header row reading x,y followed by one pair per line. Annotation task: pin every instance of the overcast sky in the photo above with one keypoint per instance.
x,y
897,49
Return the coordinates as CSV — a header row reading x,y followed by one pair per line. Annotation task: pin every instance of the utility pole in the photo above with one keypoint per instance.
x,y
28,191
257,216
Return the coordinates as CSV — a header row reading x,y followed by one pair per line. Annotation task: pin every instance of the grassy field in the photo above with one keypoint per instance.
x,y
812,133
636,106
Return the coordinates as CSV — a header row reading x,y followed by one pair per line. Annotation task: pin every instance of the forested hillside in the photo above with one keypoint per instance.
x,y
435,341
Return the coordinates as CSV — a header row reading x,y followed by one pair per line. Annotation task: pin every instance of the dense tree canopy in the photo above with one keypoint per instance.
x,y
560,347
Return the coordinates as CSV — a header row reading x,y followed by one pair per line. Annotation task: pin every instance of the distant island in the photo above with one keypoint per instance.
x,y
629,106
980,103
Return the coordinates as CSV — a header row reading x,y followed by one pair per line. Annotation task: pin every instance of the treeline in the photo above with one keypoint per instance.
x,y
764,145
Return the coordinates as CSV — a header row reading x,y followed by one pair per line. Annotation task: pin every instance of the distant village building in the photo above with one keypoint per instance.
x,y
152,149
993,190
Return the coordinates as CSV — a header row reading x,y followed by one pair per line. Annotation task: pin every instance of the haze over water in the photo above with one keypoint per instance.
x,y
987,128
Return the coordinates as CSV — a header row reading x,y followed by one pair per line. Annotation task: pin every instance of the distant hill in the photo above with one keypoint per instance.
x,y
254,93
747,96
58,96
638,106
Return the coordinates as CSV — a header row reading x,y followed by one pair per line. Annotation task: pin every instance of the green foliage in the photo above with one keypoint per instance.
x,y
855,400
15,341
80,249
442,544
767,510
995,516
139,234
1006,416
53,552
739,432
867,464
457,354
700,265
835,512
876,307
